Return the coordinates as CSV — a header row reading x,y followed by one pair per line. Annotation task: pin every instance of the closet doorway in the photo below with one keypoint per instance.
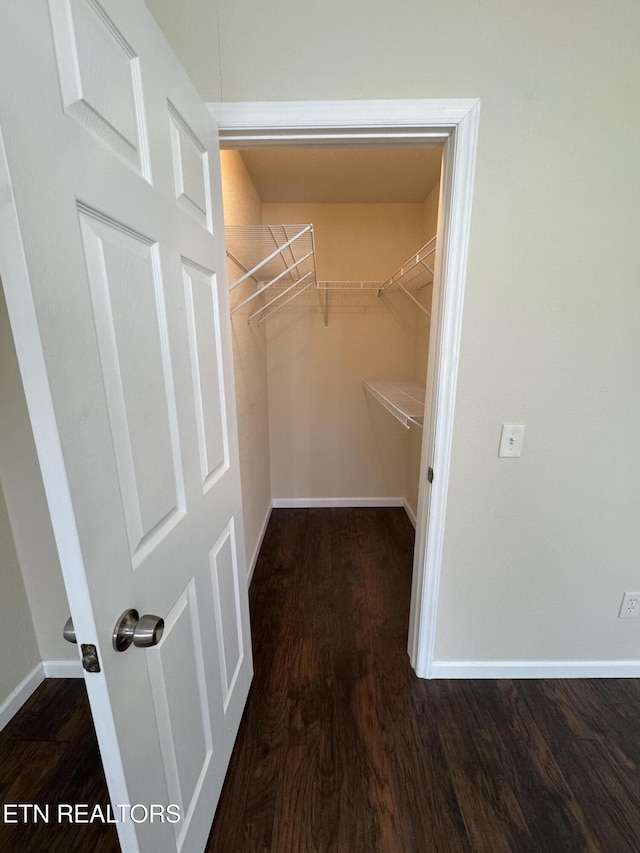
x,y
343,242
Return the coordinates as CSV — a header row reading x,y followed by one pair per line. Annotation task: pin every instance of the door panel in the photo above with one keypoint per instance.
x,y
178,683
203,319
127,288
100,78
226,587
190,170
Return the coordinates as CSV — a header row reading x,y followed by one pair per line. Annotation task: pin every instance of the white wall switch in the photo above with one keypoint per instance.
x,y
630,606
511,439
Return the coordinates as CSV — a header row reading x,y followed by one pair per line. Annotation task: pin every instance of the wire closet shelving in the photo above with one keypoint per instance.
x,y
414,274
404,399
281,261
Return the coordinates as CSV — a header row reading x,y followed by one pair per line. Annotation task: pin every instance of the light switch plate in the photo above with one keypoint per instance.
x,y
511,439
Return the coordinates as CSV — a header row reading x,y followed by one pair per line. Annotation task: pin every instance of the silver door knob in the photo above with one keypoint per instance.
x,y
69,632
142,631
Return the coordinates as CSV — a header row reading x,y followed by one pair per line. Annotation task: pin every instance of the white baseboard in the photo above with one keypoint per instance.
x,y
254,559
410,513
16,699
536,669
62,669
312,503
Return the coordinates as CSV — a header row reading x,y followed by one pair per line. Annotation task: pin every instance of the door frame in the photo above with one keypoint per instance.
x,y
453,123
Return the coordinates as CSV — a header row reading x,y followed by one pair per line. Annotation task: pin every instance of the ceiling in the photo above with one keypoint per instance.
x,y
353,175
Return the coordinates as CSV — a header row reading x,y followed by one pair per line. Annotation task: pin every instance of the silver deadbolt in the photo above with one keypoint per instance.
x,y
142,631
90,657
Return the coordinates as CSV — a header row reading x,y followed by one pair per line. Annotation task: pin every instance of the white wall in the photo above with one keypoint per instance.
x,y
242,206
329,439
27,509
191,27
539,550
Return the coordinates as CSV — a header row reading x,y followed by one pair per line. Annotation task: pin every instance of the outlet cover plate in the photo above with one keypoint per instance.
x,y
630,606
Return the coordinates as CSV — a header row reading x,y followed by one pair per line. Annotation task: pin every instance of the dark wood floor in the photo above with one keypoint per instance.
x,y
49,755
342,749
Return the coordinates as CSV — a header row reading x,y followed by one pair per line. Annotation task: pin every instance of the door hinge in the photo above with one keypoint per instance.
x,y
430,474
90,657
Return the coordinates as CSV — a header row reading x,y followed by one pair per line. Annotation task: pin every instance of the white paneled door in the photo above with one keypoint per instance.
x,y
113,264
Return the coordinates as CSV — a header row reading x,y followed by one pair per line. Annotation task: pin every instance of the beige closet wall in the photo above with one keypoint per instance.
x,y
242,207
421,353
19,652
329,439
27,508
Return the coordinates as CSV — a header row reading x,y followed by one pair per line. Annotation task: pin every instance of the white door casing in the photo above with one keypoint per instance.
x,y
113,263
454,124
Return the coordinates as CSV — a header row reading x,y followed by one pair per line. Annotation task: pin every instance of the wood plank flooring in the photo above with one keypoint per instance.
x,y
342,749
49,755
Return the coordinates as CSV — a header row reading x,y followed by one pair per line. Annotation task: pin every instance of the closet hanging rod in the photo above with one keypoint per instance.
x,y
275,253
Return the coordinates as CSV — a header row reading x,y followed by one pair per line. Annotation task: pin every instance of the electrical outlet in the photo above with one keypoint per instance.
x,y
630,606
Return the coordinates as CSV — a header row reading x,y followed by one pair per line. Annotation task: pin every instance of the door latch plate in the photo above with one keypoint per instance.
x,y
90,657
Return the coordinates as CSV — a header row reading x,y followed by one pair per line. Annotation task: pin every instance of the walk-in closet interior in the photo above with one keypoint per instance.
x,y
331,255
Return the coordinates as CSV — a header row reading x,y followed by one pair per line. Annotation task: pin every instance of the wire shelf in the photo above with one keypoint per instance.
x,y
373,286
280,260
271,255
264,252
417,272
342,286
405,400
